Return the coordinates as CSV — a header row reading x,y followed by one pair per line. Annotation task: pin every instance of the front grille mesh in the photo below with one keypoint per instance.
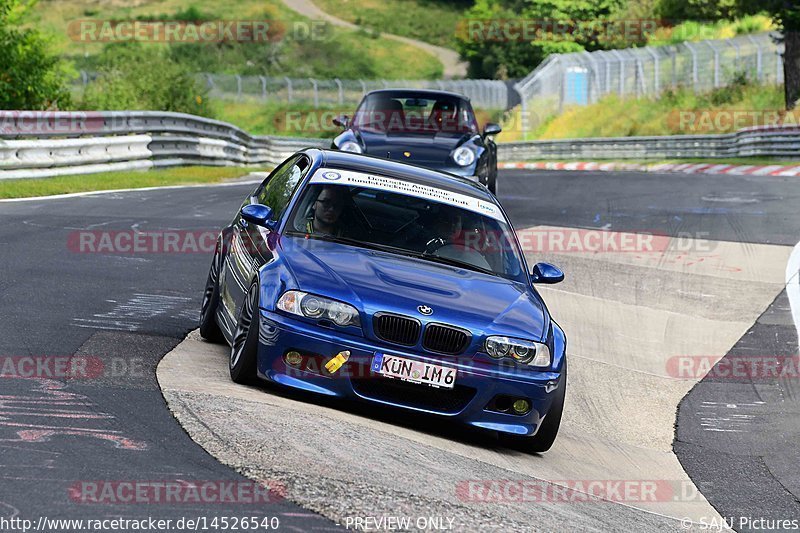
x,y
397,329
445,339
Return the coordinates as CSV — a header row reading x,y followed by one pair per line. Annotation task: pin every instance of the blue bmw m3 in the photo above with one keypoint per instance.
x,y
358,277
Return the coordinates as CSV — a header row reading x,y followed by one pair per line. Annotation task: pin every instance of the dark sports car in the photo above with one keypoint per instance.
x,y
433,129
356,277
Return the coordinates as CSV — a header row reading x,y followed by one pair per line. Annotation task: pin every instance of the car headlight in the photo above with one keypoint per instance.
x,y
464,156
351,146
525,352
312,306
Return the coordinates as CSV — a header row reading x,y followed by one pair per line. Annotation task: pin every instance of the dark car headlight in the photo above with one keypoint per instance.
x,y
526,352
351,146
464,156
318,307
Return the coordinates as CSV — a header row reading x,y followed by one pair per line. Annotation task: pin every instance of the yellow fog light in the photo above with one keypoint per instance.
x,y
337,361
293,358
521,406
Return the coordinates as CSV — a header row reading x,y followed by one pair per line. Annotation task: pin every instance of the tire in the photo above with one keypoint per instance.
x,y
546,436
209,329
244,346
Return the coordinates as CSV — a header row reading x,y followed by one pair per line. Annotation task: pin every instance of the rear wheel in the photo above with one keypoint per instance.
x,y
546,436
209,329
244,348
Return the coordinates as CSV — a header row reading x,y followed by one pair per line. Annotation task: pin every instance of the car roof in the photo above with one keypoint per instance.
x,y
405,171
418,92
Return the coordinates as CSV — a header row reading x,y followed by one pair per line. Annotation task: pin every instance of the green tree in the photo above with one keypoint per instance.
x,y
491,52
136,76
30,76
786,14
678,11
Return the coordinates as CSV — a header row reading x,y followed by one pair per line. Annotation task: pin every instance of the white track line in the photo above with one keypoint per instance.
x,y
111,191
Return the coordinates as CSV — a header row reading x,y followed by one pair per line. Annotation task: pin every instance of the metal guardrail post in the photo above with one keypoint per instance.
x,y
288,89
759,58
316,92
656,69
695,80
641,86
238,87
733,43
716,62
263,87
595,77
341,91
674,57
363,87
621,71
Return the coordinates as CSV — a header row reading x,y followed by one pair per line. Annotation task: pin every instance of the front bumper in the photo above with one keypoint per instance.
x,y
477,384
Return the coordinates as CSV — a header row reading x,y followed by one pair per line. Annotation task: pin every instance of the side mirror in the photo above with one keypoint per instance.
x,y
546,273
259,215
342,121
492,129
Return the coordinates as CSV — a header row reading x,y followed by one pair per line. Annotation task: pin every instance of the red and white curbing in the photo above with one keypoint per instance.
x,y
683,168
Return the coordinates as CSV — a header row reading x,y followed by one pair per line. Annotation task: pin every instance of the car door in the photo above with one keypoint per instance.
x,y
248,250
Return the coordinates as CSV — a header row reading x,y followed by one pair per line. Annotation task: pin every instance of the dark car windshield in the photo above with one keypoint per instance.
x,y
409,219
408,113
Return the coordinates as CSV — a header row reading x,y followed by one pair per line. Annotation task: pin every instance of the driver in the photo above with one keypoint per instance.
x,y
326,212
446,228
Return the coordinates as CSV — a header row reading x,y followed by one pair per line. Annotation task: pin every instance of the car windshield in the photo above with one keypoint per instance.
x,y
409,219
408,113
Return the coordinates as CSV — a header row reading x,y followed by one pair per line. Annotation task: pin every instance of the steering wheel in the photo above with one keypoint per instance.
x,y
434,244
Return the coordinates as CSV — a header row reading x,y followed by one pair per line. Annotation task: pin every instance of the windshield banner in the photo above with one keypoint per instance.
x,y
382,183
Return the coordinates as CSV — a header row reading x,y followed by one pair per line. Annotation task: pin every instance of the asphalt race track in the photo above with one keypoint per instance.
x,y
717,288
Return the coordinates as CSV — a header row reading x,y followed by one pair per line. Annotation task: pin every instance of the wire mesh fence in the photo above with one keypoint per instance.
x,y
583,78
485,94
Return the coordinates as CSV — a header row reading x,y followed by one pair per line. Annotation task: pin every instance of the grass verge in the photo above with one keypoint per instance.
x,y
26,188
328,52
675,112
432,21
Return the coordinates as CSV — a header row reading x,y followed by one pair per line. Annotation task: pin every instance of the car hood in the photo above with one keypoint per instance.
x,y
378,281
423,147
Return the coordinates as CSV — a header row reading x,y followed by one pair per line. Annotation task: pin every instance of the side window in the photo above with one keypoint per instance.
x,y
278,190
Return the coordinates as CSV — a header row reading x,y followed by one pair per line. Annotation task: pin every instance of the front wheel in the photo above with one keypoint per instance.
x,y
244,348
546,436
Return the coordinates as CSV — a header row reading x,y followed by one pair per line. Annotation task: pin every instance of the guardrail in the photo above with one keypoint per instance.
x,y
44,144
765,141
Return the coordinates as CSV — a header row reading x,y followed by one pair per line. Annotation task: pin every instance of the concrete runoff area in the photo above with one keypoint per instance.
x,y
627,315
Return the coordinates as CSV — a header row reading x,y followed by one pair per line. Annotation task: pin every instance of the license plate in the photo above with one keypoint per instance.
x,y
395,367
